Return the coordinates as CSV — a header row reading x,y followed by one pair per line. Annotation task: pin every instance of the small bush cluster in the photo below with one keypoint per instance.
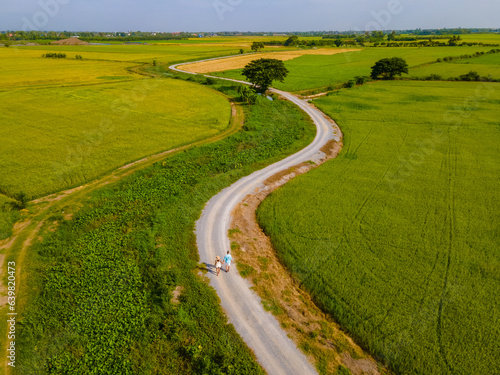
x,y
471,76
54,55
468,56
79,57
433,43
357,81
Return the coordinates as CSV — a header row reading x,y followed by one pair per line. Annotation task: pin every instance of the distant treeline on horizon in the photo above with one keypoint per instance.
x,y
395,35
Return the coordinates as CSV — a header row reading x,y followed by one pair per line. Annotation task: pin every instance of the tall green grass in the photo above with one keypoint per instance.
x,y
66,136
398,238
8,216
101,286
485,66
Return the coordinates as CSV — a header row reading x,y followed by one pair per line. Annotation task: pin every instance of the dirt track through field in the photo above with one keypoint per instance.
x,y
274,350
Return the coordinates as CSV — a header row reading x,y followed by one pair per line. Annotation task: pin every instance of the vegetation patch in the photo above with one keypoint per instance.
x,y
87,131
318,72
9,214
398,244
101,295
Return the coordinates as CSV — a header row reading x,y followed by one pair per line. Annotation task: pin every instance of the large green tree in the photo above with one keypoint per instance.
x,y
263,72
389,67
292,41
257,46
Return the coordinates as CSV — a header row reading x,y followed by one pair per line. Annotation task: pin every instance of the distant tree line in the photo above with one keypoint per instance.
x,y
377,38
91,36
472,76
434,43
294,41
401,35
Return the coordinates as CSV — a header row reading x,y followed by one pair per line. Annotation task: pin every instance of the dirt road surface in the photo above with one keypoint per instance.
x,y
277,353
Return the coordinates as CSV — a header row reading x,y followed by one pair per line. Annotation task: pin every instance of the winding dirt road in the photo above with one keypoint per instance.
x,y
274,350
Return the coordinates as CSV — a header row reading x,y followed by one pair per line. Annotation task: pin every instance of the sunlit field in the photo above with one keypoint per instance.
x,y
398,238
66,136
313,72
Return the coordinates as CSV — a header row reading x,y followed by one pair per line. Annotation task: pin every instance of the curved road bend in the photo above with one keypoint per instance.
x,y
274,350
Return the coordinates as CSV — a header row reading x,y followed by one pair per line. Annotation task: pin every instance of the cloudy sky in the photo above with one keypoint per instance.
x,y
245,15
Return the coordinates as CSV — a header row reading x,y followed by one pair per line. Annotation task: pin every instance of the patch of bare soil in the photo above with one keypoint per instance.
x,y
176,294
363,366
303,321
70,42
315,96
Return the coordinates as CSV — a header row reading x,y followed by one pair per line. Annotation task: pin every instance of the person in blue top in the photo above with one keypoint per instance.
x,y
227,261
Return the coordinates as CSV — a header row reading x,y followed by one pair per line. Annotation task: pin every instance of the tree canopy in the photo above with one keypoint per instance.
x,y
257,46
389,67
263,72
292,41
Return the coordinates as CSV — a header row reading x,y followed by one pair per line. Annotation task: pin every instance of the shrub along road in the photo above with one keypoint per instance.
x,y
277,353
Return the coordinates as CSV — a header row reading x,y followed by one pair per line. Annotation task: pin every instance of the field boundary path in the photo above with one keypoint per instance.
x,y
274,350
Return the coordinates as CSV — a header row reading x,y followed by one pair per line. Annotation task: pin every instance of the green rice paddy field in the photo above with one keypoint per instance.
x,y
318,71
485,65
398,237
66,121
61,137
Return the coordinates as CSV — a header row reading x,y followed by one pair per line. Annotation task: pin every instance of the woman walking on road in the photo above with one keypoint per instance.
x,y
217,264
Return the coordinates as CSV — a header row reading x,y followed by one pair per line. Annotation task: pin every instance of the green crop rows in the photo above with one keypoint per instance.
x,y
317,71
102,284
398,237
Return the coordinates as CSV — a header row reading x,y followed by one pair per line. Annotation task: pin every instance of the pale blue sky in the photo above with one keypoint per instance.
x,y
245,15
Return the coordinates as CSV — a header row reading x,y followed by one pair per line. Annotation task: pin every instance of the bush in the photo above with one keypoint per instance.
x,y
247,95
349,84
361,80
22,200
210,81
434,77
471,76
55,55
341,370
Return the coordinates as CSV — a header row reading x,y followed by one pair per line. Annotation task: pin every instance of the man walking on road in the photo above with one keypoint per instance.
x,y
227,261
